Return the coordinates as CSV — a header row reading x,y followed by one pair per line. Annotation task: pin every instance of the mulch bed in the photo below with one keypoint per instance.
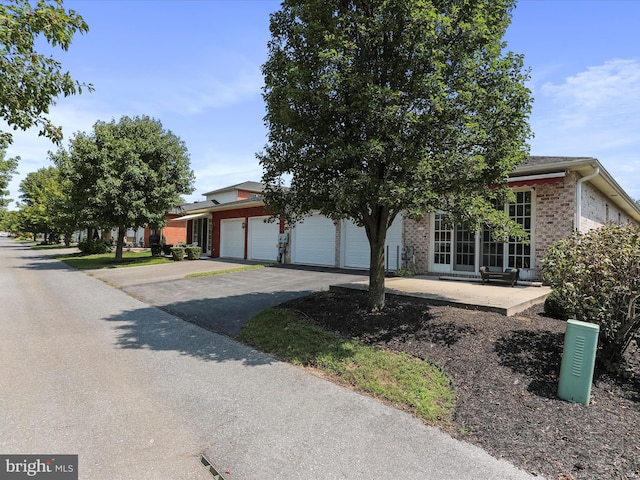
x,y
505,374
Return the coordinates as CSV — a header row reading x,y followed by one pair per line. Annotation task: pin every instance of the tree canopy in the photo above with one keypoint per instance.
x,y
8,168
125,174
31,81
45,205
376,107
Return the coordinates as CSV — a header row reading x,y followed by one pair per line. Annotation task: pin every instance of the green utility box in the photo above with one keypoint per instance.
x,y
578,361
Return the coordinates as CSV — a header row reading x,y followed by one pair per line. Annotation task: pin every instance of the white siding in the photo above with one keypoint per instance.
x,y
263,239
313,242
355,245
232,238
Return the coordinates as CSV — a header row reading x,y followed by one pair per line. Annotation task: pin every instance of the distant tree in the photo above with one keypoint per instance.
x,y
375,107
31,81
8,168
10,221
35,192
45,204
126,174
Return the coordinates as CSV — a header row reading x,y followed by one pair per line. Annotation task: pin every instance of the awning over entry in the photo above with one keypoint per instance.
x,y
193,216
531,180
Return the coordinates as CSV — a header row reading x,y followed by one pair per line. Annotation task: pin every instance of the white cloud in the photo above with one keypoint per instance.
x,y
600,94
594,113
219,169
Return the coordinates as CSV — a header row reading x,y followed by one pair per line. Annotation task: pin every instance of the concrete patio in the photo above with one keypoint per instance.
x,y
493,297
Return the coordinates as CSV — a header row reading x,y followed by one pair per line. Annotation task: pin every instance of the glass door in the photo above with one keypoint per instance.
x,y
465,249
442,245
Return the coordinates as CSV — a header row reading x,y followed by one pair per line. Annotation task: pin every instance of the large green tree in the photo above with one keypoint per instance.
x,y
125,174
375,107
8,168
10,221
31,81
46,206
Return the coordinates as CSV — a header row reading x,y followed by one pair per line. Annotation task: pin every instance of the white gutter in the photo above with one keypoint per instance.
x,y
596,172
540,176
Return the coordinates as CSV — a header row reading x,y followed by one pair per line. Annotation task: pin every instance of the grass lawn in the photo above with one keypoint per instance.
x,y
404,381
107,260
220,272
51,247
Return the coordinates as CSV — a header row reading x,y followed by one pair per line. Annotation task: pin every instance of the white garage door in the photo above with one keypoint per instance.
x,y
263,239
313,242
232,238
355,245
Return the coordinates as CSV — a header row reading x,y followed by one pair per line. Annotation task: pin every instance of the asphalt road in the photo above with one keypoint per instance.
x,y
137,393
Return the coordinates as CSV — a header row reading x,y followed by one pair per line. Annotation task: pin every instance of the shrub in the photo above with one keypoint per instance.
x,y
193,253
177,253
92,247
554,308
596,279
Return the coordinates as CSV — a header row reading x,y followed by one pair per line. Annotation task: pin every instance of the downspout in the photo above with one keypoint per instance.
x,y
579,183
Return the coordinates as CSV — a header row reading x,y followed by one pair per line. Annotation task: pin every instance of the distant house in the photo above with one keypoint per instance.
x,y
554,197
230,223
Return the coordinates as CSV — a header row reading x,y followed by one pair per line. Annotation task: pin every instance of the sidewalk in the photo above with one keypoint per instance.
x,y
492,297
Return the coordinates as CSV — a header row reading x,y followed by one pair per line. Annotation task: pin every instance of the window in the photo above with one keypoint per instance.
x,y
520,211
492,251
442,245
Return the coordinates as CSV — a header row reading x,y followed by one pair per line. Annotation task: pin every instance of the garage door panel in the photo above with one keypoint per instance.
x,y
232,238
356,251
313,242
263,239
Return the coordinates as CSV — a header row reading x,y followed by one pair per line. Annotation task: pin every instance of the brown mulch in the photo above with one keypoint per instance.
x,y
504,371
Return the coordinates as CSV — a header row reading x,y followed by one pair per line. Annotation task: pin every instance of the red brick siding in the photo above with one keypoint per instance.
x,y
174,232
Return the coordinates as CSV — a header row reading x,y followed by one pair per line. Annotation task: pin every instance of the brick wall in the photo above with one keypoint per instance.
x,y
555,213
415,233
174,231
598,210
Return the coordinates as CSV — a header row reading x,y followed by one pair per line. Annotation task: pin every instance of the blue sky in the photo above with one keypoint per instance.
x,y
195,66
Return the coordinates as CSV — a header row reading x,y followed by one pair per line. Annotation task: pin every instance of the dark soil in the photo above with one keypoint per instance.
x,y
505,374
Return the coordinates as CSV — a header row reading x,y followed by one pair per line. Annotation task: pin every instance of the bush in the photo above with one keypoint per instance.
x,y
177,253
554,308
92,247
596,279
193,253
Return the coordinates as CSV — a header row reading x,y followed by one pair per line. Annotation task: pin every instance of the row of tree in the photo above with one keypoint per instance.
x,y
123,174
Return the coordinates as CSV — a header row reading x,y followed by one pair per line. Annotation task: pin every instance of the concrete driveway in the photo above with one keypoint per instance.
x,y
221,303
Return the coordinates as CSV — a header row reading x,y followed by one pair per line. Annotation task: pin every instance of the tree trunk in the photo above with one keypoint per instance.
x,y
119,246
376,275
376,227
